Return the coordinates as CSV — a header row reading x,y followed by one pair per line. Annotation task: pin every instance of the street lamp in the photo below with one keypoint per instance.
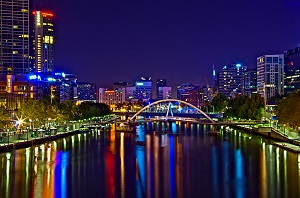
x,y
284,128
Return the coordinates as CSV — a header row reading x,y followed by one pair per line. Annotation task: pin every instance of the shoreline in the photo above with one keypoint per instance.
x,y
29,143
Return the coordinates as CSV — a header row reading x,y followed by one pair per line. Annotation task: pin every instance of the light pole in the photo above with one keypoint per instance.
x,y
284,128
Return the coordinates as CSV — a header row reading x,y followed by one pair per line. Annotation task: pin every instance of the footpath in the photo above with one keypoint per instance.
x,y
17,141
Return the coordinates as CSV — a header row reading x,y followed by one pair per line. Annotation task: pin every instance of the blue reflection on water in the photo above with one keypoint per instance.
x,y
215,171
239,174
172,167
141,133
141,171
174,127
60,183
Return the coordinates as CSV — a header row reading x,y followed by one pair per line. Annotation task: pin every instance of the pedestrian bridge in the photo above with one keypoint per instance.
x,y
169,108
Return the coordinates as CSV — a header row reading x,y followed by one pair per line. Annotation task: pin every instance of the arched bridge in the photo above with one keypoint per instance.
x,y
169,108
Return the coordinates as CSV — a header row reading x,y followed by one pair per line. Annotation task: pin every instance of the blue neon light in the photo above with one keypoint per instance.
x,y
238,65
51,79
63,74
32,77
139,84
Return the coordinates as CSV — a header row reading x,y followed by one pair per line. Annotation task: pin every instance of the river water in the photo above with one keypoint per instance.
x,y
154,162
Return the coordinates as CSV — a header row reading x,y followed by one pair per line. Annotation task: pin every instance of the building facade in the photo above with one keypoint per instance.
x,y
270,75
191,93
292,70
111,97
160,83
164,93
43,40
143,89
14,37
86,91
249,82
230,80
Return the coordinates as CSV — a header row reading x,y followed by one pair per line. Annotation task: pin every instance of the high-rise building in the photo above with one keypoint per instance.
x,y
230,80
86,91
160,83
249,82
43,40
191,93
292,70
270,75
143,89
14,36
164,93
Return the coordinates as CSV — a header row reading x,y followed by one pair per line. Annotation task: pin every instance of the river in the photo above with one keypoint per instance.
x,y
176,161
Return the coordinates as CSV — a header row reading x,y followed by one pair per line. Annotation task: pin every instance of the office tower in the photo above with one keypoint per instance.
x,y
292,70
191,93
249,82
143,89
160,83
111,97
43,40
229,80
86,91
14,36
164,93
270,75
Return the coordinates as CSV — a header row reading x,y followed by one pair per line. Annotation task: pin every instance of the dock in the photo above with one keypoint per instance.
x,y
288,146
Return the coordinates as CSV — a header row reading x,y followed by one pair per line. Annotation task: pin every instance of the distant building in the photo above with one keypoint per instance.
x,y
160,83
230,80
164,93
111,97
270,75
292,70
43,40
191,93
249,82
86,92
14,37
143,89
120,84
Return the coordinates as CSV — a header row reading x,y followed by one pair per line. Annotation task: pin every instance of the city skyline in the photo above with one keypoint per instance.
x,y
179,41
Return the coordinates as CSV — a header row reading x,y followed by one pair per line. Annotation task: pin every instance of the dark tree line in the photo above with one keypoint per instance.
x,y
243,107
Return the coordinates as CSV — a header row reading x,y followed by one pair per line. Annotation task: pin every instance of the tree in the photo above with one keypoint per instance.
x,y
288,110
245,107
4,117
220,102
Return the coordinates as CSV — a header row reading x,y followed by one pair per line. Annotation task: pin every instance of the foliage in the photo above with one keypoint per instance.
x,y
220,102
245,107
288,110
91,109
4,117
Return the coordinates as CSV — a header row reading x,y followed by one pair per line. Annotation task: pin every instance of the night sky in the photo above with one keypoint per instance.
x,y
103,41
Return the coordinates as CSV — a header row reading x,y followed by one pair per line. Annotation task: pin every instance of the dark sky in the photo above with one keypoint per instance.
x,y
103,41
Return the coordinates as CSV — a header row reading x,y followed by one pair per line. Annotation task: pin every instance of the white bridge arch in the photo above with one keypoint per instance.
x,y
171,100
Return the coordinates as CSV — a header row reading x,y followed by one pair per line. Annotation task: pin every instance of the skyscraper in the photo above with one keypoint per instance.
x,y
270,75
43,41
160,83
229,80
143,89
14,36
292,70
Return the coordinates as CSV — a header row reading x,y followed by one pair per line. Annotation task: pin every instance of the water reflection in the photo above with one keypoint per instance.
x,y
183,162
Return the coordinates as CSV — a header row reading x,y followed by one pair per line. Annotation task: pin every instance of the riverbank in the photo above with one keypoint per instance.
x,y
276,135
32,142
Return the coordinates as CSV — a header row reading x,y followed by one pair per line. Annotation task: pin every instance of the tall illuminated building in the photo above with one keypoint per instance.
x,y
230,80
14,36
270,75
292,70
43,40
